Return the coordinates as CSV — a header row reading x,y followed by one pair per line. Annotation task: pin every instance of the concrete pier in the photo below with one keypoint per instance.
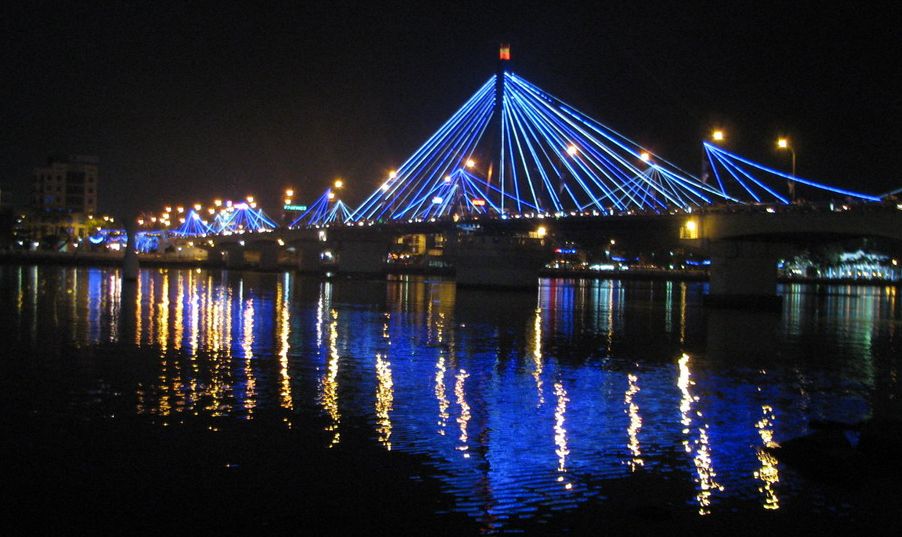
x,y
743,274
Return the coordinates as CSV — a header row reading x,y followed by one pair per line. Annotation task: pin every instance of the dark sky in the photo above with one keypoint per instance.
x,y
183,101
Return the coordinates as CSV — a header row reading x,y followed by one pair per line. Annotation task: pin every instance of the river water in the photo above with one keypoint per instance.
x,y
522,406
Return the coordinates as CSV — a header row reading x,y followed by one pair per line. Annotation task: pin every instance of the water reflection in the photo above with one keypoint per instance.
x,y
385,394
699,446
329,393
522,402
769,472
632,432
560,433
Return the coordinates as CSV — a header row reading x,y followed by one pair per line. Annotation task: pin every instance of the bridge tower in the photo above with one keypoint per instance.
x,y
496,167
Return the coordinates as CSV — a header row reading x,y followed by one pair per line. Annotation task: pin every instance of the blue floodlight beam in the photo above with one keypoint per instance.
x,y
797,179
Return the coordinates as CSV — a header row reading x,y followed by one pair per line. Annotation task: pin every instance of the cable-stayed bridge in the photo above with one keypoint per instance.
x,y
514,164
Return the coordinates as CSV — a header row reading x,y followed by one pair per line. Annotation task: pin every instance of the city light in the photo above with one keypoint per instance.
x,y
645,156
572,150
289,192
718,135
471,163
782,143
339,183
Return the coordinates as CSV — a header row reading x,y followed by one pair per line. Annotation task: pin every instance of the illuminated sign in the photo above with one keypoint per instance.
x,y
294,207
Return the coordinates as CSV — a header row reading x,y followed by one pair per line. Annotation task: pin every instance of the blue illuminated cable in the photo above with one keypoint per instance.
x,y
730,167
381,195
537,123
797,179
459,151
714,168
779,198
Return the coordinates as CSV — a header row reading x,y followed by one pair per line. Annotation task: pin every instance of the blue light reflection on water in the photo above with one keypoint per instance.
x,y
521,401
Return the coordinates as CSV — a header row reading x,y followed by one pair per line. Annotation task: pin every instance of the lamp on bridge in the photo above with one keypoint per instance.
x,y
717,136
783,144
339,183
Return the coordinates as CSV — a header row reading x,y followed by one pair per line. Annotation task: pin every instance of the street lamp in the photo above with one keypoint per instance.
x,y
717,136
783,144
339,183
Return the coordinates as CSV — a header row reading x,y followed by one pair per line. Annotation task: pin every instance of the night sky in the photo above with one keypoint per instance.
x,y
185,102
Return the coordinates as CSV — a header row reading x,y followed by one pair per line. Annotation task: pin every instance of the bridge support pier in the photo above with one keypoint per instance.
x,y
269,255
365,255
232,256
307,254
743,274
501,262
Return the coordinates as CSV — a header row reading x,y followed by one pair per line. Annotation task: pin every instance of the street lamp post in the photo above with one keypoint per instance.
x,y
783,143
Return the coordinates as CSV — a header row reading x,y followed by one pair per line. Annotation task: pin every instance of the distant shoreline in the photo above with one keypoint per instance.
x,y
90,259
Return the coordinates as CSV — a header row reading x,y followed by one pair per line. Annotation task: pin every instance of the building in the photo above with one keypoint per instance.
x,y
6,220
63,204
66,185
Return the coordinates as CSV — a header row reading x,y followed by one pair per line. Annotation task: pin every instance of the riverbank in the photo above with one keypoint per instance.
x,y
99,259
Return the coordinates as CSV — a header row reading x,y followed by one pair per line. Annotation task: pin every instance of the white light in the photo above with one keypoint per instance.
x,y
437,199
571,150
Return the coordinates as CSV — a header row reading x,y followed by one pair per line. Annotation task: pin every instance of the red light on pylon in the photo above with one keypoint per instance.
x,y
505,52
